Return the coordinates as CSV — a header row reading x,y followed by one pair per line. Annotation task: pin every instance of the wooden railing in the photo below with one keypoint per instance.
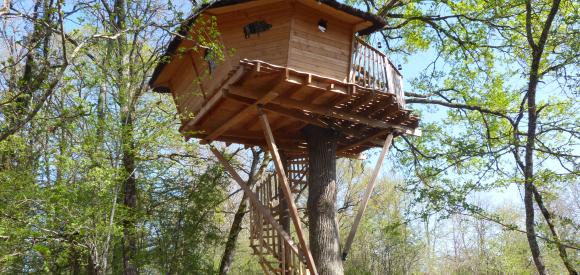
x,y
370,68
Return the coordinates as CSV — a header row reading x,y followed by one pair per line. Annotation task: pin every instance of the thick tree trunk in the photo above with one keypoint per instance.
x,y
321,205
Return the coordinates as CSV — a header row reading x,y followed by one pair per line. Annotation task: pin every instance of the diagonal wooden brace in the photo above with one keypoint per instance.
x,y
367,195
286,189
254,200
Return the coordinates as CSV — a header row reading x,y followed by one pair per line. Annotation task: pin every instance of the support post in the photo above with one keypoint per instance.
x,y
367,195
254,199
284,218
285,186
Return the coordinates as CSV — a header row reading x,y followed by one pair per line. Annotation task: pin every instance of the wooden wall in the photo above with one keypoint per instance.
x,y
191,85
294,41
270,46
323,53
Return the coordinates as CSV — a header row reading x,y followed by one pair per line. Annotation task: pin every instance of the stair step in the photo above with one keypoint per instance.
x,y
298,160
296,171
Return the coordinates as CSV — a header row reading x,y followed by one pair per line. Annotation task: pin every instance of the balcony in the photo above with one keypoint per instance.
x,y
370,68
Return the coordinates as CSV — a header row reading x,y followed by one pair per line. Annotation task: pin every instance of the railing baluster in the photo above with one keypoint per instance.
x,y
372,69
377,72
355,62
362,63
359,64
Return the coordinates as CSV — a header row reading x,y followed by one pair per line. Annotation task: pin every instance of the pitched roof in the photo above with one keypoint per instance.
x,y
377,24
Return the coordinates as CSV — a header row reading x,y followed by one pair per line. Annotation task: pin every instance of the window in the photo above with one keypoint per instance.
x,y
322,25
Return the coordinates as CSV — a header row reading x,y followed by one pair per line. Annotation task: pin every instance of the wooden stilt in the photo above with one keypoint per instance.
x,y
285,186
254,199
367,195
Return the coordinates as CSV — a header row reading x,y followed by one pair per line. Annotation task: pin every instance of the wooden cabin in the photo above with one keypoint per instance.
x,y
303,61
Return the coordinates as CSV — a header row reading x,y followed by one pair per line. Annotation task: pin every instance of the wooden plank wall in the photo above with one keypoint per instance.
x,y
323,53
294,41
187,83
270,46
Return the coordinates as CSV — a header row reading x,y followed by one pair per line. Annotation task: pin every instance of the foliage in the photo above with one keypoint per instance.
x,y
78,124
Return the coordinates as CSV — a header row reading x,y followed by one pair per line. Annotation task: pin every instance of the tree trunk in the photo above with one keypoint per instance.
x,y
230,249
548,217
321,205
127,143
534,78
130,198
529,167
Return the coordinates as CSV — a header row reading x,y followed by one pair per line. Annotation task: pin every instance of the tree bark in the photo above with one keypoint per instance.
x,y
548,217
534,78
230,249
321,205
127,143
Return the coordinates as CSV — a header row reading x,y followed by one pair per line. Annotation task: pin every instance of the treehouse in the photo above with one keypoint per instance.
x,y
301,60
276,67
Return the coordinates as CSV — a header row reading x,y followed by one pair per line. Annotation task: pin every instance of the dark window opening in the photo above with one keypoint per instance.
x,y
322,25
256,28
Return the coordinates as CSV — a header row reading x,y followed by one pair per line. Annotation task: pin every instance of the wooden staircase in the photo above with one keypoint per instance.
x,y
297,170
275,256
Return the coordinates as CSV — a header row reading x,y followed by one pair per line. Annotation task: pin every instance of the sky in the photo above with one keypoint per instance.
x,y
413,66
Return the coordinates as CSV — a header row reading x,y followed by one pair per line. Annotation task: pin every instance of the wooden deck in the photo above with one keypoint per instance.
x,y
293,99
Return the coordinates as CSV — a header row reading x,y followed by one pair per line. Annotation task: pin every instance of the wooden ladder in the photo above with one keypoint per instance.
x,y
275,257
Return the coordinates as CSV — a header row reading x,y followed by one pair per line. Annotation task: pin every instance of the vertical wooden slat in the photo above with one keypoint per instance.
x,y
352,59
365,63
360,64
371,68
375,69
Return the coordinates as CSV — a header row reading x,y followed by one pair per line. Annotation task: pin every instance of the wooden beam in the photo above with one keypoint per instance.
x,y
362,141
285,186
362,100
207,107
254,199
290,113
265,98
289,147
215,98
295,114
332,112
367,195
